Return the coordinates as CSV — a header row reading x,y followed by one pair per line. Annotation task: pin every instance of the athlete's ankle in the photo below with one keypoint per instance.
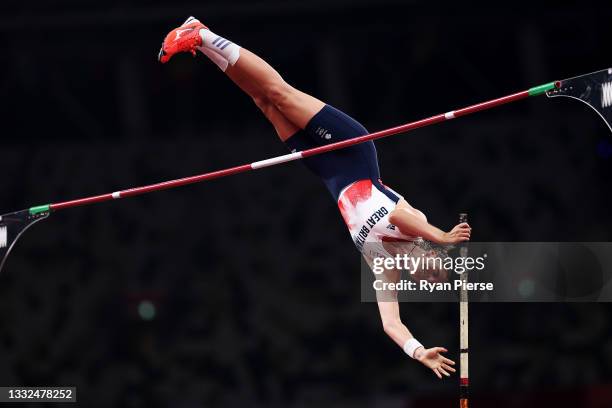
x,y
225,48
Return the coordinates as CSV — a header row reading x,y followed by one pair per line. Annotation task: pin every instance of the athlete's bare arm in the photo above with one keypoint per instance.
x,y
399,333
411,224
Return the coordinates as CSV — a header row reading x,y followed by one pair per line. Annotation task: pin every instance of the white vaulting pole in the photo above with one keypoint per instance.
x,y
464,382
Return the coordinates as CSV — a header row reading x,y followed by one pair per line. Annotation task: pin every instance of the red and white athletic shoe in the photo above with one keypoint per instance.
x,y
185,38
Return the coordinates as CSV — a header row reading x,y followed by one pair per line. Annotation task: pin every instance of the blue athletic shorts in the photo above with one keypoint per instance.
x,y
340,168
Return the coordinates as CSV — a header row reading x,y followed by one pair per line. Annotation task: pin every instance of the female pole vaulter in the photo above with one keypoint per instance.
x,y
351,174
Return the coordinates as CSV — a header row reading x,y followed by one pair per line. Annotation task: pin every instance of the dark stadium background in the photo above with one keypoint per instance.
x,y
254,280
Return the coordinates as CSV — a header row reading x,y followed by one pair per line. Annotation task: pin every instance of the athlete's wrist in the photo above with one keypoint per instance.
x,y
438,236
418,353
413,348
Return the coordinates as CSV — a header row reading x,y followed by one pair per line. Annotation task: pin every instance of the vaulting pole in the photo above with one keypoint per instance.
x,y
464,378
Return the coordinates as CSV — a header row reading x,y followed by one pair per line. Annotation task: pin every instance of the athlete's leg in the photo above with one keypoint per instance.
x,y
250,72
257,78
283,126
297,106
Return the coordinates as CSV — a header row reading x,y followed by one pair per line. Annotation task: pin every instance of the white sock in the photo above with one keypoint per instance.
x,y
218,44
214,57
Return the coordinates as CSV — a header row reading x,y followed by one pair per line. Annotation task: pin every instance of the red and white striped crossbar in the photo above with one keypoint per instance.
x,y
294,156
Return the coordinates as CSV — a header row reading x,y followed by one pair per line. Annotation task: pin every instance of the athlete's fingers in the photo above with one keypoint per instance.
x,y
440,350
435,370
449,368
448,361
443,371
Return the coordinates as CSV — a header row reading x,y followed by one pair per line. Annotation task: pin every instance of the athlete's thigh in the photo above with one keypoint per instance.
x,y
300,107
284,128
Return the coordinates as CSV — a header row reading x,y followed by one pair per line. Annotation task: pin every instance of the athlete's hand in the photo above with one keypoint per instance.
x,y
431,358
460,233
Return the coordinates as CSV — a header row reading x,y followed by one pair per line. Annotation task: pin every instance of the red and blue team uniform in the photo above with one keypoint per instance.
x,y
352,176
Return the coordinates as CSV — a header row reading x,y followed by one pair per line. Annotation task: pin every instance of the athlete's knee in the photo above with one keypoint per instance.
x,y
279,93
265,106
262,102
